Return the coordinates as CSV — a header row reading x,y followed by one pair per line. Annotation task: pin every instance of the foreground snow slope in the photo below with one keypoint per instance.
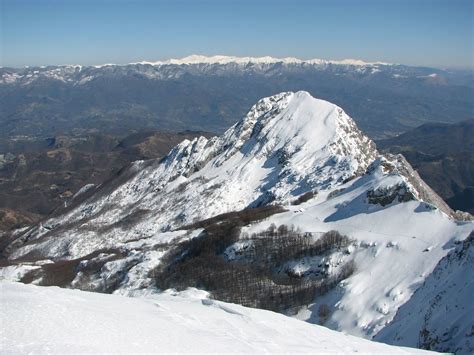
x,y
52,320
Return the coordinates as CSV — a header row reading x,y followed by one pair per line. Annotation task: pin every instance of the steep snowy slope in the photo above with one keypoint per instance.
x,y
52,320
440,315
399,242
289,148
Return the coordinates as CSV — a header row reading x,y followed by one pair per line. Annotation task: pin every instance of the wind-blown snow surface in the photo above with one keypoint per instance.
x,y
287,145
52,320
441,308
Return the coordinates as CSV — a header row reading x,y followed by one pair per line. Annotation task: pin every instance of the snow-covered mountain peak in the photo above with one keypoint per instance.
x,y
290,130
287,145
300,123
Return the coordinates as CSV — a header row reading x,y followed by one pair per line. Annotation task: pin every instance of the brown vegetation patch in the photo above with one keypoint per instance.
x,y
239,218
62,272
250,281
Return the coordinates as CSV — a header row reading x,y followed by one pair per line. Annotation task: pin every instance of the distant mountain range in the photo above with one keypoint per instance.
x,y
211,93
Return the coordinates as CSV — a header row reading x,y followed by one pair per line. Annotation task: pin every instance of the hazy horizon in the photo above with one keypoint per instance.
x,y
431,33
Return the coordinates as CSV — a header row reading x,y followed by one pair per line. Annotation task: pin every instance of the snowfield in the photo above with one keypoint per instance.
x,y
58,321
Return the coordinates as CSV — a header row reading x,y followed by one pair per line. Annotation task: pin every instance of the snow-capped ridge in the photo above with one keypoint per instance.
x,y
218,65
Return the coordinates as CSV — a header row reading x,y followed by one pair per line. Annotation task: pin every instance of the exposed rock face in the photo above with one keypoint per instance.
x,y
11,219
411,186
424,192
387,194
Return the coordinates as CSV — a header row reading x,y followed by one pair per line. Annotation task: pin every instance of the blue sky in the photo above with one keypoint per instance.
x,y
419,32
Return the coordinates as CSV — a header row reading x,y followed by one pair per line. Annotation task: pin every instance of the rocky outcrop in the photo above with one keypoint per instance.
x,y
411,187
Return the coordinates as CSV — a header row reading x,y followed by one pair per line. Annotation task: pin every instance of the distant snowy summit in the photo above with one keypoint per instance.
x,y
223,59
